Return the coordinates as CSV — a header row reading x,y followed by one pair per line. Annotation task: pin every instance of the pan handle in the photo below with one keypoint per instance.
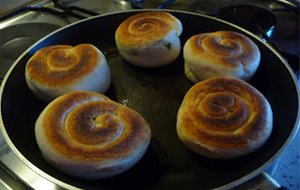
x,y
261,181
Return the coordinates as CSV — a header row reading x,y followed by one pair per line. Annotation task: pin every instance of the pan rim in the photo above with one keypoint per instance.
x,y
55,181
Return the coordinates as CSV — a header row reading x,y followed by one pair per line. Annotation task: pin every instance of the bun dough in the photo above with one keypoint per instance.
x,y
221,53
149,39
59,69
224,118
89,136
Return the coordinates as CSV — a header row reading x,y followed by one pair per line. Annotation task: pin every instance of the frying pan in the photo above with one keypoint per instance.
x,y
156,94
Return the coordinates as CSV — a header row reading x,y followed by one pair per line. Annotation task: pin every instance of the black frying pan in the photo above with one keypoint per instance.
x,y
157,95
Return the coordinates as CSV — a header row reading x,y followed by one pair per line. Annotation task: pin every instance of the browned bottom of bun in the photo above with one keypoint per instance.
x,y
89,136
224,118
221,53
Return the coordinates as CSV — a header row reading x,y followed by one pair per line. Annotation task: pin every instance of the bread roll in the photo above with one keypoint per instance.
x,y
149,39
224,118
89,136
221,53
59,69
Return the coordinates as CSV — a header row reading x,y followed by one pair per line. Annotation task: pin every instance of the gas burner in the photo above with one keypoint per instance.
x,y
251,17
269,25
17,38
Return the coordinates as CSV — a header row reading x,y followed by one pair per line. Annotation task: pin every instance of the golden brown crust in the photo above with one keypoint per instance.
x,y
62,65
146,27
224,47
224,114
86,126
221,53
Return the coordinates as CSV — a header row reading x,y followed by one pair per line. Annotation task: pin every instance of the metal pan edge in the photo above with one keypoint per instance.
x,y
36,178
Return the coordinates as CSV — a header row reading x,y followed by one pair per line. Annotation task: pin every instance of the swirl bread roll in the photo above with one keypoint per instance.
x,y
221,53
59,69
224,118
89,136
149,39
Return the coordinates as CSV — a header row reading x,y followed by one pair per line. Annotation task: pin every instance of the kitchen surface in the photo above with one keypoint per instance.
x,y
7,5
22,23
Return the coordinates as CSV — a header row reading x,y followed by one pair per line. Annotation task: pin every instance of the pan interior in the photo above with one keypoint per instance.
x,y
156,94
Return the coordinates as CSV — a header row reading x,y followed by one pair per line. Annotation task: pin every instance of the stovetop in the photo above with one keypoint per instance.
x,y
35,21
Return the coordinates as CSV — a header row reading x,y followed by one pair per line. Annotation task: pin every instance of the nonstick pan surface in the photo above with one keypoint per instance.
x,y
156,94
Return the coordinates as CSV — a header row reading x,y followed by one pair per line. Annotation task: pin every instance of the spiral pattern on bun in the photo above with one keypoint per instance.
x,y
224,118
59,69
221,53
149,39
89,136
